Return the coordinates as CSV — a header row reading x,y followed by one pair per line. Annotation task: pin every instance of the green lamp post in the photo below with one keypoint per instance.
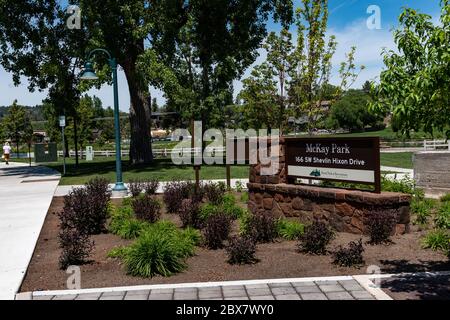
x,y
89,74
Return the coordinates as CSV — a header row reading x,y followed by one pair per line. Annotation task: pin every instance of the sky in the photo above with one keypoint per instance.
x,y
347,21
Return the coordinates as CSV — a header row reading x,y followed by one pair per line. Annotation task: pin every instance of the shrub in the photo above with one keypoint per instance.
x,y
153,253
406,185
422,209
190,213
146,208
216,230
241,250
442,219
351,256
76,247
289,230
150,186
118,252
379,225
437,240
207,210
230,208
316,238
192,235
135,187
98,197
214,192
239,186
261,227
445,198
119,216
176,191
244,197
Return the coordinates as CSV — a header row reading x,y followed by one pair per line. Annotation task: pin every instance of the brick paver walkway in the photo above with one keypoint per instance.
x,y
308,290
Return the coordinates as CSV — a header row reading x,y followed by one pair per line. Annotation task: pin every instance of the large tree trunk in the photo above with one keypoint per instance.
x,y
140,117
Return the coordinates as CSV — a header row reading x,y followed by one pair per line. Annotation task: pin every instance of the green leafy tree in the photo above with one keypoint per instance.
x,y
35,43
16,125
314,52
415,83
351,112
215,44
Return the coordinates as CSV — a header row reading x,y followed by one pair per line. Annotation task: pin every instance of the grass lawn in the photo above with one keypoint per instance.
x,y
164,170
400,160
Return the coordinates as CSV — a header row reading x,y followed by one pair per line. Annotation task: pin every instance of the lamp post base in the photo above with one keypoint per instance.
x,y
119,190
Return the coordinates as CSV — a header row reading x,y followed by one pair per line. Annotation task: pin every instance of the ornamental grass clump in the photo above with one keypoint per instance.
x,y
437,240
160,250
216,230
442,219
146,208
350,256
379,225
289,230
316,238
241,250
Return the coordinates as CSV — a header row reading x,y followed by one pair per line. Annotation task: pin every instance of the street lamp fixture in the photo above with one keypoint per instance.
x,y
89,74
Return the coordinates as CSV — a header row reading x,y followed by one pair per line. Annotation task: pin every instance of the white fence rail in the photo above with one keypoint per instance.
x,y
436,144
156,152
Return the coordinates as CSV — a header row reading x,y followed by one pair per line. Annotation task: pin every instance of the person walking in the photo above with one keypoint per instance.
x,y
6,152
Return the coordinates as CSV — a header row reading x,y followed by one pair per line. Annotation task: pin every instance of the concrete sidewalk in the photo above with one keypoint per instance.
x,y
64,190
25,196
316,288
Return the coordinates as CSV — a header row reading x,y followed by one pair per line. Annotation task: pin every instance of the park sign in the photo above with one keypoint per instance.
x,y
355,160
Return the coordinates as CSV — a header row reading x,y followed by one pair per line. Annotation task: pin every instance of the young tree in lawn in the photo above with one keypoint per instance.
x,y
313,55
271,100
16,125
415,84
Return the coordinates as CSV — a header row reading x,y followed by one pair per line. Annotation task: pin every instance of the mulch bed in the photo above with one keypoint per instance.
x,y
277,260
436,287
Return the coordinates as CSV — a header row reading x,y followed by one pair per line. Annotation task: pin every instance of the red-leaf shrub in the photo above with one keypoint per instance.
x,y
98,197
379,225
214,192
76,247
241,250
190,214
151,186
316,238
261,227
176,191
350,256
146,208
216,230
135,187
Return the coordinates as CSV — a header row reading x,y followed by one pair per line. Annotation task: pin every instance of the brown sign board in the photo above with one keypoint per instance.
x,y
355,160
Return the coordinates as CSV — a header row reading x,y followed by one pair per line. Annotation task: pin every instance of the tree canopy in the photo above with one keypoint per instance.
x,y
415,84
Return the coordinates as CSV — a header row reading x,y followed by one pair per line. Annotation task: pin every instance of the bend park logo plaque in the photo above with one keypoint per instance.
x,y
336,159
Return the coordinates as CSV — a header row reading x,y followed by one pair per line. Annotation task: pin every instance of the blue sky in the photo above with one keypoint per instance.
x,y
347,21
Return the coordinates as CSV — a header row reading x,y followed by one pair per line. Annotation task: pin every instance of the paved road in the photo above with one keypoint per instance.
x,y
25,196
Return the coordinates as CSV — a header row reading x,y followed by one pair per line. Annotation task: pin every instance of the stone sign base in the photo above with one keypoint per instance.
x,y
344,210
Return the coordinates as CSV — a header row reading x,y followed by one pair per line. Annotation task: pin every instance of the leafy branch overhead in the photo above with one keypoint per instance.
x,y
414,85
